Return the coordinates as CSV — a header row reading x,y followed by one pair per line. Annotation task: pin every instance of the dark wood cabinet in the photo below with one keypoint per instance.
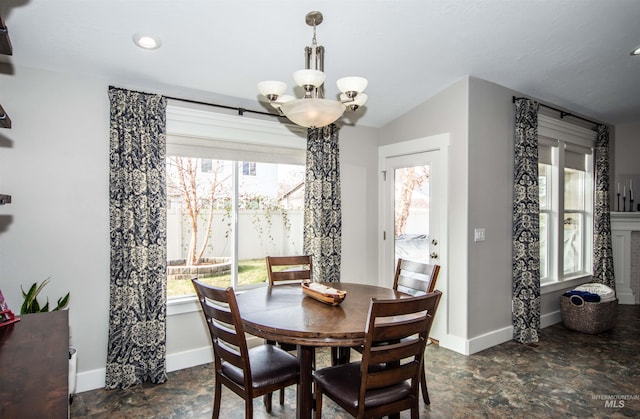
x,y
34,367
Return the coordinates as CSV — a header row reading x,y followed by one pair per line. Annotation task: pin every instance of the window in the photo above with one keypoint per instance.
x,y
206,165
232,198
249,168
565,165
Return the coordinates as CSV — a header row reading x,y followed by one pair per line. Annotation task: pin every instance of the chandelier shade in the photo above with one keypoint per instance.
x,y
272,88
304,78
314,110
349,85
355,103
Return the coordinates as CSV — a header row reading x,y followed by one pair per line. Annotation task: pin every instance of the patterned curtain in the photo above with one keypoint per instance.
x,y
322,203
602,250
526,224
137,204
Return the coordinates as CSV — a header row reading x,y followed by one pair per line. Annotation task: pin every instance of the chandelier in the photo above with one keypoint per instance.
x,y
313,110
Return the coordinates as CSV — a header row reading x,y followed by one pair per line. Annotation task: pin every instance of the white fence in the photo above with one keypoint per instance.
x,y
260,233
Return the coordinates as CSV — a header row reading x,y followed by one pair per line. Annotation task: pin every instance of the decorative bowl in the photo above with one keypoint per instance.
x,y
323,293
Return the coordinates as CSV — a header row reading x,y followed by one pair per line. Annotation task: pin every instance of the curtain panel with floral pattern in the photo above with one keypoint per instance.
x,y
323,208
602,248
526,224
137,205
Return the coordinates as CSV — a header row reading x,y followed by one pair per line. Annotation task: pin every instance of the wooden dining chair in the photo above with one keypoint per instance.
x,y
289,269
386,380
283,270
249,373
415,278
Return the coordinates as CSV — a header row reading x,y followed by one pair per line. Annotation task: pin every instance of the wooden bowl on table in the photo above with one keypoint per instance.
x,y
323,293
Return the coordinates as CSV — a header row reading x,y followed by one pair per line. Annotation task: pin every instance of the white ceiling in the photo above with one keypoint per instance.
x,y
569,53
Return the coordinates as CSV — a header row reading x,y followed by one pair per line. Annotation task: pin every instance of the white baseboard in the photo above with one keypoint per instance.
x,y
477,344
493,338
487,340
550,319
190,358
454,343
91,380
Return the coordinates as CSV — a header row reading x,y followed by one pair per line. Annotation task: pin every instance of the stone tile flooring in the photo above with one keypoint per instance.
x,y
566,374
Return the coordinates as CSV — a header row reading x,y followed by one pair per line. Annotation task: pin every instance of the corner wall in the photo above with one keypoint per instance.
x,y
55,164
446,112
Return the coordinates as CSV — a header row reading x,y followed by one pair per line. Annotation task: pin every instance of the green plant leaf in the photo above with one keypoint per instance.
x,y
62,302
31,304
28,299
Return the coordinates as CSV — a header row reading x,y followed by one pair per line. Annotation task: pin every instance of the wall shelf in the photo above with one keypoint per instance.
x,y
5,121
5,43
5,49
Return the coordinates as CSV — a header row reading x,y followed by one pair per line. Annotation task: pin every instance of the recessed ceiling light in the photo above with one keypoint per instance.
x,y
636,51
146,41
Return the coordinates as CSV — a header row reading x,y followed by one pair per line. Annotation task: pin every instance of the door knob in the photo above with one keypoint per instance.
x,y
433,255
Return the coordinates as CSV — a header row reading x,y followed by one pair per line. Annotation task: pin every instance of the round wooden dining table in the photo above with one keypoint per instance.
x,y
284,313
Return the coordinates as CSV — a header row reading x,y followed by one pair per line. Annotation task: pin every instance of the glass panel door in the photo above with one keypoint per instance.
x,y
411,213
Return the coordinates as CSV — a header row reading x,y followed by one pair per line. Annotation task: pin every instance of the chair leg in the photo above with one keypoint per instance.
x,y
216,399
248,408
318,402
267,401
282,396
425,390
340,355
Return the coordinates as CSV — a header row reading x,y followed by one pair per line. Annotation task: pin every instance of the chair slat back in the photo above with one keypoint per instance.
x,y
415,278
288,269
222,315
395,337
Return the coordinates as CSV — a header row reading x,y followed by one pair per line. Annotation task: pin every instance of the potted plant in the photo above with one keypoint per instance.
x,y
31,304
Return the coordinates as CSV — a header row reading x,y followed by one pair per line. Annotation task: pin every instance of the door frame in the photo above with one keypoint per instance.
x,y
439,142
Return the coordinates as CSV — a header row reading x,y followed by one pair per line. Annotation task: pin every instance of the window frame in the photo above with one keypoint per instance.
x,y
562,136
198,131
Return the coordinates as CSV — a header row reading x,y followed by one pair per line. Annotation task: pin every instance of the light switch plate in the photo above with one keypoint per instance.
x,y
478,235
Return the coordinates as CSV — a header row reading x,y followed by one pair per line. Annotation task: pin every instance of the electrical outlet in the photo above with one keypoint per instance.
x,y
478,235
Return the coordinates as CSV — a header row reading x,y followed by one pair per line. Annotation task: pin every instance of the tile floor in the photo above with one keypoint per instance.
x,y
566,374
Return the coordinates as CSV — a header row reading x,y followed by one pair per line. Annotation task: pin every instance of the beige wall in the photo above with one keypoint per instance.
x,y
491,131
627,149
626,157
56,168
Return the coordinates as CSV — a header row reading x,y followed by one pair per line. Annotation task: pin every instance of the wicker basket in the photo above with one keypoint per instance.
x,y
588,317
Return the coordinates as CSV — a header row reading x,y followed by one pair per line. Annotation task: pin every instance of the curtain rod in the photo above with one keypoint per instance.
x,y
241,111
562,113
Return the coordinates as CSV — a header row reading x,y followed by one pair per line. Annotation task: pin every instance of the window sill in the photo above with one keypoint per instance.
x,y
182,305
549,287
190,304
